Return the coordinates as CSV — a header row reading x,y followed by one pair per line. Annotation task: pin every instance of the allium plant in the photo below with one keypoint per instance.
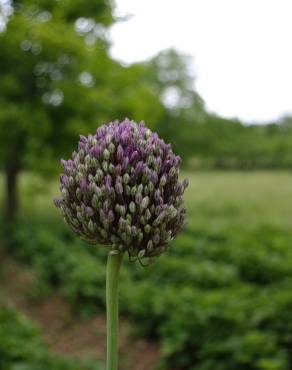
x,y
121,189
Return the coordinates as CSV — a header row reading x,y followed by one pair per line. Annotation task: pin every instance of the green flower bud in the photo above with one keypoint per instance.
x,y
172,211
140,188
150,246
134,231
112,148
129,218
106,154
99,175
114,239
151,187
172,171
148,133
105,166
147,228
162,181
140,236
95,202
145,202
128,230
111,168
132,207
87,160
78,193
91,226
103,233
122,210
147,214
146,190
126,178
65,193
141,253
128,190
98,191
133,190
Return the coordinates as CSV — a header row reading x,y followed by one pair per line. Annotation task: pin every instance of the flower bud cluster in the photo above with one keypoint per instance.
x,y
121,189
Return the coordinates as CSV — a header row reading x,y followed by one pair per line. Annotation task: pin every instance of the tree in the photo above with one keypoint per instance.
x,y
171,75
45,50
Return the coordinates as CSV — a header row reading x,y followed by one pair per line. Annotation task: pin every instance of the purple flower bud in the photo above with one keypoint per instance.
x,y
139,168
134,156
185,182
64,179
125,137
100,132
63,163
58,202
121,189
96,151
118,169
125,163
82,183
89,211
83,139
108,181
154,177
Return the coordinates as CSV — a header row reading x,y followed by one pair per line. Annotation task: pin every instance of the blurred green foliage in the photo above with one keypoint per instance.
x,y
21,347
221,299
58,81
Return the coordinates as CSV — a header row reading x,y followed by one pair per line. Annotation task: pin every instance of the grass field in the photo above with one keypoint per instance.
x,y
213,198
240,197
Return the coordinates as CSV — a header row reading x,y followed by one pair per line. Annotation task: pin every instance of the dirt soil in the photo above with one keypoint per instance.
x,y
64,331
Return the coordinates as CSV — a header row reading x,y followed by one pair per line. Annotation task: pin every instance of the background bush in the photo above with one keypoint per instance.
x,y
22,349
221,298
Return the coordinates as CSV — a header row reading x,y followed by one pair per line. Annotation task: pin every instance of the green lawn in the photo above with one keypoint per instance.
x,y
213,198
240,197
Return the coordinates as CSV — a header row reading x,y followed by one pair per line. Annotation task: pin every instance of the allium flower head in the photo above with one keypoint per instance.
x,y
121,189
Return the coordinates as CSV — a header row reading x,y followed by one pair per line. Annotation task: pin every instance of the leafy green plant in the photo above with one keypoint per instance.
x,y
21,347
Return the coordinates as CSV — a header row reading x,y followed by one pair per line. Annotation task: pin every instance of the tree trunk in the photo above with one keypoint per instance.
x,y
12,172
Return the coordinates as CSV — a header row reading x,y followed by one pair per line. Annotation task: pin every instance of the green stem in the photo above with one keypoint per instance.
x,y
112,309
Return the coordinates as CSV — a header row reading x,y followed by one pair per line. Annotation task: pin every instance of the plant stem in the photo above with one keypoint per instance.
x,y
112,308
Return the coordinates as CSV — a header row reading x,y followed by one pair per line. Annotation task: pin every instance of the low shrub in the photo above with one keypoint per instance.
x,y
219,300
21,347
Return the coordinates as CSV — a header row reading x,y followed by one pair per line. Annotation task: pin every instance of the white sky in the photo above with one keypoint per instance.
x,y
242,49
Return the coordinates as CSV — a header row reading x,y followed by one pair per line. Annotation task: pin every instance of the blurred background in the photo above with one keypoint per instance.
x,y
214,79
